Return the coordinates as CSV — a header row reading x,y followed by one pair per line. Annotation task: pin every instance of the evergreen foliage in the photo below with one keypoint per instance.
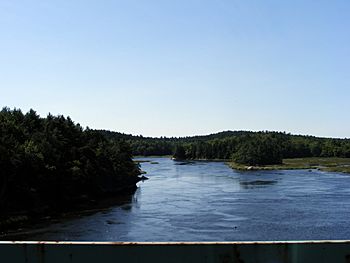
x,y
259,150
50,163
180,153
245,147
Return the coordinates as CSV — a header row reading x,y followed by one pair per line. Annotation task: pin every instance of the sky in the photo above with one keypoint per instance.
x,y
180,68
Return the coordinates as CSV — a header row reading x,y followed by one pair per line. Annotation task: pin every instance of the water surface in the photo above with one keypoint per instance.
x,y
208,201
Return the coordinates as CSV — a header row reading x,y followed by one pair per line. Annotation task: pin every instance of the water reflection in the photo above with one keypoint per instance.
x,y
257,183
183,163
87,223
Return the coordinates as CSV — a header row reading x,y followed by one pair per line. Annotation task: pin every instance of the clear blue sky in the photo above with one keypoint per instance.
x,y
176,68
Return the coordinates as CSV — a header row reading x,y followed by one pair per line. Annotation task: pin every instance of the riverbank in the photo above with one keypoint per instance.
x,y
19,226
17,220
328,164
324,164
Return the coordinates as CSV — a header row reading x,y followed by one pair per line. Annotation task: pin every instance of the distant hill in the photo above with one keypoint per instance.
x,y
266,146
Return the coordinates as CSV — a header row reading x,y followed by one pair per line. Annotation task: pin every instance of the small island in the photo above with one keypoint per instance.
x,y
246,150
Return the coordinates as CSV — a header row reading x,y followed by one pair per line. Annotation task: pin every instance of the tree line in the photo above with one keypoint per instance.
x,y
245,147
51,163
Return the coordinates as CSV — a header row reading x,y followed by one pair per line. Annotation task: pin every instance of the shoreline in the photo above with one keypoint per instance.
x,y
326,164
17,221
39,222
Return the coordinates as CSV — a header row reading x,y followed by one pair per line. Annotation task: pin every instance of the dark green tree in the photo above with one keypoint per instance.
x,y
180,153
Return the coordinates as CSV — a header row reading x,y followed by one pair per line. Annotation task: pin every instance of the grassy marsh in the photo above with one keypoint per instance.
x,y
324,164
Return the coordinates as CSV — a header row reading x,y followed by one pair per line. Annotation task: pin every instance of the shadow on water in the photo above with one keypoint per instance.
x,y
256,183
183,163
57,222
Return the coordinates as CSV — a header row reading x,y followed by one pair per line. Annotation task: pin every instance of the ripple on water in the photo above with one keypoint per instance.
x,y
207,201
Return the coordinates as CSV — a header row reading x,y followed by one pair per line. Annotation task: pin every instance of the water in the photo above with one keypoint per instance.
x,y
208,201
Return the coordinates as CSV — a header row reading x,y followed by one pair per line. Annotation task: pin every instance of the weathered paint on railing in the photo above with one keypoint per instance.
x,y
191,252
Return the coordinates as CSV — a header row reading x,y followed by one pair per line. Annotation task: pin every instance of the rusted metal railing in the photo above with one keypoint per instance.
x,y
191,252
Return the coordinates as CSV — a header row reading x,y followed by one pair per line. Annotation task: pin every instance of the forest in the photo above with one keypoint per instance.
x,y
245,147
51,163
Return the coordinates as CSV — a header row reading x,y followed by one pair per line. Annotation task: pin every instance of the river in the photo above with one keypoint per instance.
x,y
208,201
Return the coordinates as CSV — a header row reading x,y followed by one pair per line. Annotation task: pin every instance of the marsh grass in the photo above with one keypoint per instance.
x,y
324,164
